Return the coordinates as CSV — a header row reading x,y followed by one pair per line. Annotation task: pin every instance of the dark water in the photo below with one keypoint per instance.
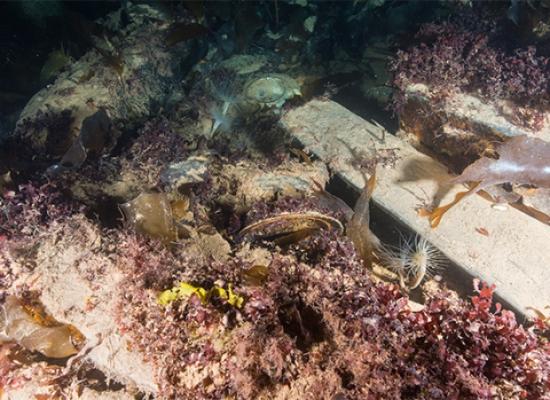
x,y
29,31
32,30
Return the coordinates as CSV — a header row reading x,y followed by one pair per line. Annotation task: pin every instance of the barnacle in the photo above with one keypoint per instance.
x,y
185,290
288,228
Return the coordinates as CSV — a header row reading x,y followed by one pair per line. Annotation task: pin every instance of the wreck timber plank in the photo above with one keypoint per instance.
x,y
460,127
476,114
515,255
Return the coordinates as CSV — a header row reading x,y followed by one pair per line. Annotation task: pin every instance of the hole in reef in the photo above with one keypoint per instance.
x,y
124,142
226,220
106,211
59,137
347,378
97,380
263,380
411,392
23,356
303,323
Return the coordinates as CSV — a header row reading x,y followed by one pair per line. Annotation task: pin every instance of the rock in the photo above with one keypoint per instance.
x,y
518,268
30,382
244,64
136,71
213,247
193,170
39,382
90,394
78,285
288,179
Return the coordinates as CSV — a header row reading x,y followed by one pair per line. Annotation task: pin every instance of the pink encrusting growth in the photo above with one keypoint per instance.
x,y
316,323
29,209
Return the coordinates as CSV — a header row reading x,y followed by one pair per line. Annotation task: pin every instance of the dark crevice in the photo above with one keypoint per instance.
x,y
302,323
352,98
106,211
97,380
390,230
347,378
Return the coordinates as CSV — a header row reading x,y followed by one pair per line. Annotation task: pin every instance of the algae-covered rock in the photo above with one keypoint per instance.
x,y
271,90
78,283
288,179
50,338
192,170
123,75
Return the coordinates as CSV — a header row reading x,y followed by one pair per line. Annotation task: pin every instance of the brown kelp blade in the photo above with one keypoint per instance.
x,y
34,330
151,214
256,275
436,215
291,228
521,159
358,227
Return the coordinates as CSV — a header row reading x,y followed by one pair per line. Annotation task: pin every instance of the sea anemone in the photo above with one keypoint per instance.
x,y
414,259
225,87
220,118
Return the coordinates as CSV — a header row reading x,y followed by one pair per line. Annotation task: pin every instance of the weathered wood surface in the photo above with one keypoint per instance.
x,y
482,118
515,255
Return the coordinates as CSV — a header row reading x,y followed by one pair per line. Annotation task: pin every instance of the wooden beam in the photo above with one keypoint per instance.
x,y
515,254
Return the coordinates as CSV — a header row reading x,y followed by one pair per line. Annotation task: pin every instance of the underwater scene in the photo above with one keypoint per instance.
x,y
275,199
